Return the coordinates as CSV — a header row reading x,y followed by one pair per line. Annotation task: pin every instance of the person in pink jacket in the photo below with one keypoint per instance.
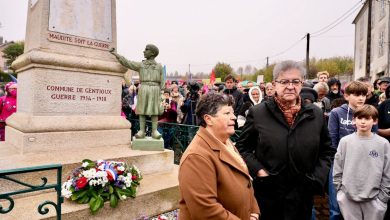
x,y
7,106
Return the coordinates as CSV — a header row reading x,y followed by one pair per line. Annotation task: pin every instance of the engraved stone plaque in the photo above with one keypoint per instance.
x,y
83,18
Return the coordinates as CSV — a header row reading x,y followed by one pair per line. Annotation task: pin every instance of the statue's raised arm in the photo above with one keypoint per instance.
x,y
126,63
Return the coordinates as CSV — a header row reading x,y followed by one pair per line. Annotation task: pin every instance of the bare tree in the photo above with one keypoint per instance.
x,y
248,69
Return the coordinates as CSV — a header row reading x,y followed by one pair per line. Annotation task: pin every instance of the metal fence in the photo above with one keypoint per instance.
x,y
6,175
176,137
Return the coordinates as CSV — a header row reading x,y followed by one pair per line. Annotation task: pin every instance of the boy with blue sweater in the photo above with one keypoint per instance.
x,y
361,171
340,124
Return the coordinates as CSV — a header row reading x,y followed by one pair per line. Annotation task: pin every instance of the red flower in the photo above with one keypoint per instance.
x,y
82,182
134,177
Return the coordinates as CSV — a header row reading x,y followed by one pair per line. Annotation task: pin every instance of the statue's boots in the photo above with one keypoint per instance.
x,y
155,133
141,133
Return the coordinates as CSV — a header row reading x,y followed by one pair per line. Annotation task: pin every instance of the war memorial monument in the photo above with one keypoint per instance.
x,y
69,105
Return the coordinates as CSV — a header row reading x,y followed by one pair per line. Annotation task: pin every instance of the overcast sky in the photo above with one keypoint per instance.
x,y
203,32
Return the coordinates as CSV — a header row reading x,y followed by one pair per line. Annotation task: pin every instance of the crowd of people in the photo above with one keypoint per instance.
x,y
179,101
299,139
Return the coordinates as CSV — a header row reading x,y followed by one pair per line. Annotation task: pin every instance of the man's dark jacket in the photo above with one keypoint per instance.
x,y
301,153
238,99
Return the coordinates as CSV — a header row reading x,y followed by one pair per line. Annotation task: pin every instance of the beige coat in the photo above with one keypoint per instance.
x,y
213,184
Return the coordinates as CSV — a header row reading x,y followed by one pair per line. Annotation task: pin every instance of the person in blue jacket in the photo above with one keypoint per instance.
x,y
340,124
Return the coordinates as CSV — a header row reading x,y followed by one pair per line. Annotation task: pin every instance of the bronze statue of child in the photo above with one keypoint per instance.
x,y
149,93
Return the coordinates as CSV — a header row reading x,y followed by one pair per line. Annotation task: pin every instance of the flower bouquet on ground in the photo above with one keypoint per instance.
x,y
97,182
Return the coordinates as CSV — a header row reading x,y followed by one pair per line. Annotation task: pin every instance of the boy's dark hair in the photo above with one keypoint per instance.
x,y
230,76
366,111
167,91
356,88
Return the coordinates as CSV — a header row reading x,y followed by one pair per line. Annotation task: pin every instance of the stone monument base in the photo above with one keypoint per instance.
x,y
63,133
158,192
148,144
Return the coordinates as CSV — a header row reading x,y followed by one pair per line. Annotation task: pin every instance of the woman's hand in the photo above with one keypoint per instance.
x,y
262,173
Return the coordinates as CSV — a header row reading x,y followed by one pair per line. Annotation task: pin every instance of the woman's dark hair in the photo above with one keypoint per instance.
x,y
338,102
333,81
210,103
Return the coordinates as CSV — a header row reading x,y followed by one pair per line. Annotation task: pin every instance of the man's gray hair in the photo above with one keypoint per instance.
x,y
288,65
321,85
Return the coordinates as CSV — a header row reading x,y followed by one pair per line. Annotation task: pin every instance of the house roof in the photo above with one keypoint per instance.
x,y
361,11
4,45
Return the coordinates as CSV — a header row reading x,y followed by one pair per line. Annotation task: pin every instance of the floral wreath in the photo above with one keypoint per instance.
x,y
97,182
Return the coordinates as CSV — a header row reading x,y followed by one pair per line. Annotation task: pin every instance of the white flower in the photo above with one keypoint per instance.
x,y
124,197
127,181
89,174
66,193
121,168
101,174
136,169
92,183
85,164
66,189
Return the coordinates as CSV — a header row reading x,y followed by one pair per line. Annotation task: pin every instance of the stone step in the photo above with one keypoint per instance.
x,y
158,193
148,162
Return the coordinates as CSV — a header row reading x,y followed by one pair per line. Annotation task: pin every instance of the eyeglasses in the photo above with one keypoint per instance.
x,y
286,82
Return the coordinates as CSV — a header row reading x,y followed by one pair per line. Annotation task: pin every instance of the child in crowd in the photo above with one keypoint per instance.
x,y
340,124
361,171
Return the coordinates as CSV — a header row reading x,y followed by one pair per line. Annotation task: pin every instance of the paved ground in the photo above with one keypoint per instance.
x,y
320,203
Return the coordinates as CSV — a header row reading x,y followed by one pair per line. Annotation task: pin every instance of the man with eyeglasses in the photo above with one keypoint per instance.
x,y
286,146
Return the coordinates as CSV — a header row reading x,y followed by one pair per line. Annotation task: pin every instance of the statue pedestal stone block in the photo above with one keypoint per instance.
x,y
69,85
148,144
69,107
